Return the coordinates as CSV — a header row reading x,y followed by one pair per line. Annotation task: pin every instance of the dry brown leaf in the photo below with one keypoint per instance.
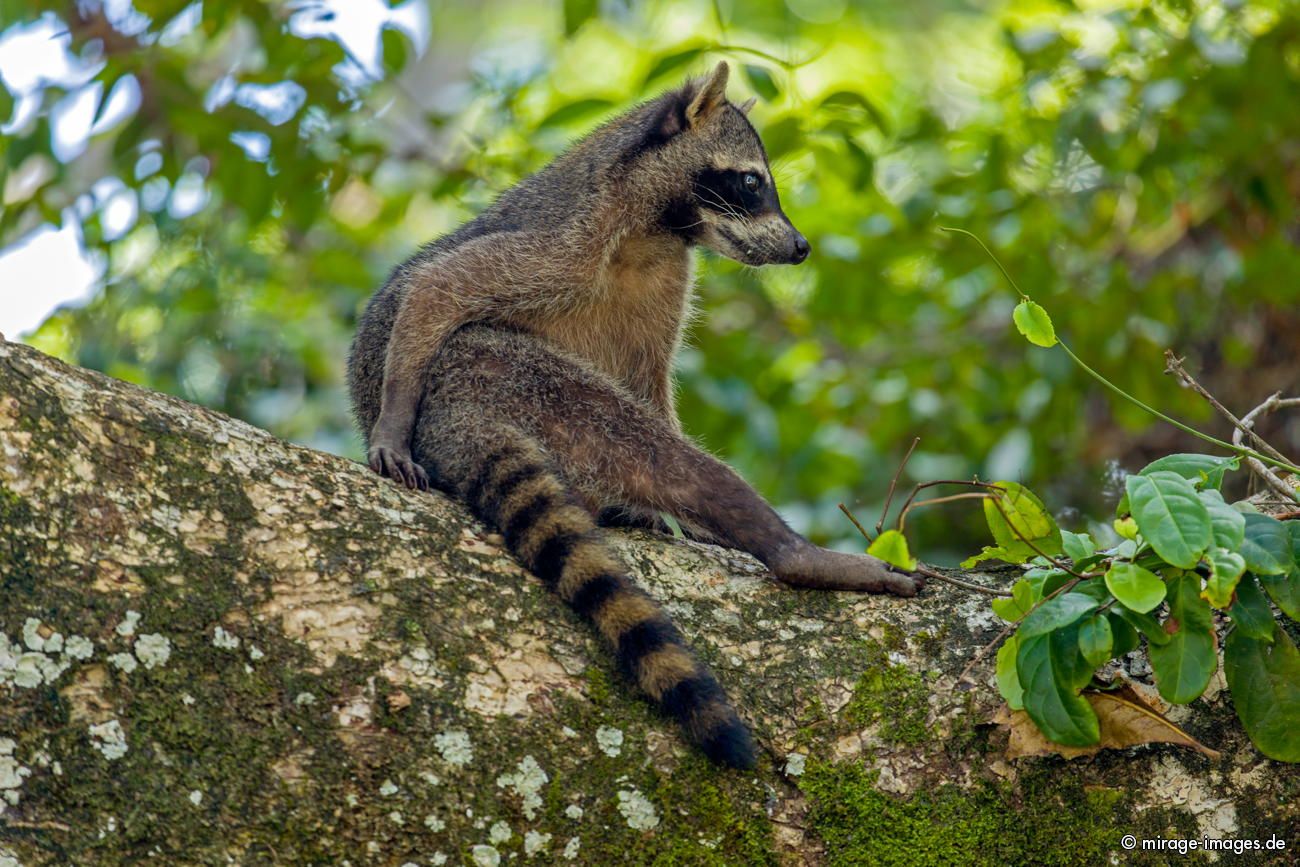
x,y
1127,719
398,701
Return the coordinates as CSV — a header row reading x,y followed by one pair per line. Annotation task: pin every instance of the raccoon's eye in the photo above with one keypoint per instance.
x,y
751,181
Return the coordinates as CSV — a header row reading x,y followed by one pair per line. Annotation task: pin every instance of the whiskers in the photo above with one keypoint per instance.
x,y
722,204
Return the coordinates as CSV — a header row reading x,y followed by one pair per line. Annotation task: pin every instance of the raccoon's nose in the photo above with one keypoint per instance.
x,y
801,248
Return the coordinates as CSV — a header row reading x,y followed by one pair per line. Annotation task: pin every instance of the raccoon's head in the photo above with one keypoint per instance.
x,y
724,197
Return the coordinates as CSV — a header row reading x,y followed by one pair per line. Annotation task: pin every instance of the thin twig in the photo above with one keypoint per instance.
x,y
1247,424
925,570
1239,449
849,515
1174,365
893,483
935,501
985,651
923,485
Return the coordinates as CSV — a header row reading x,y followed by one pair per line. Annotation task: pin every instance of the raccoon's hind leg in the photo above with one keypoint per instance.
x,y
623,449
509,482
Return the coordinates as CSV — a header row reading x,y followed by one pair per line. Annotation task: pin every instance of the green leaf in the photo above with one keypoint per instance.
x,y
1046,581
1094,587
1077,546
671,62
1251,612
1026,593
575,111
1136,588
1265,683
1007,676
1227,525
1057,612
1143,623
853,99
762,82
1183,666
1226,568
1170,516
1205,469
576,13
1033,322
1124,638
7,103
1017,517
1076,671
891,546
1018,553
1095,639
1267,547
1022,599
1047,671
1284,591
395,44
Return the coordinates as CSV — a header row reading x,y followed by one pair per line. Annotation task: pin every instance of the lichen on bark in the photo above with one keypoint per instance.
x,y
232,648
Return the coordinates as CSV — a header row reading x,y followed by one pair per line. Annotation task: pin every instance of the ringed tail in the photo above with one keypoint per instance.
x,y
516,490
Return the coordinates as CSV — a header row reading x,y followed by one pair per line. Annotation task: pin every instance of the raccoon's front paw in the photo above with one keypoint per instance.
x,y
819,569
397,464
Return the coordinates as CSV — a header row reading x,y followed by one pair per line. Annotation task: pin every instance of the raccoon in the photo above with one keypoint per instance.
x,y
592,253
546,400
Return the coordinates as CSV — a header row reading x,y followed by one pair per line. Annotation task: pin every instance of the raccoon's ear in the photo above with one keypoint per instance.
x,y
747,105
711,96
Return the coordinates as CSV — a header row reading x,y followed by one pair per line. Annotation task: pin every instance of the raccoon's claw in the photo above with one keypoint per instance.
x,y
398,465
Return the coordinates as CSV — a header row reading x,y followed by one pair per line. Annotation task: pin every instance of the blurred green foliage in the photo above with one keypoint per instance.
x,y
1135,165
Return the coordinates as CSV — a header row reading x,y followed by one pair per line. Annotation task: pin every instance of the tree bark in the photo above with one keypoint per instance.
x,y
223,648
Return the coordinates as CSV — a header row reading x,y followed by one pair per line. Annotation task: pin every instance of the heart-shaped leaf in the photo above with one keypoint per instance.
x,y
1136,588
1267,546
1265,682
1095,639
1206,470
1022,599
1184,664
1077,546
1227,525
1046,668
1016,517
1284,591
1170,516
1124,638
1251,612
1143,623
1057,612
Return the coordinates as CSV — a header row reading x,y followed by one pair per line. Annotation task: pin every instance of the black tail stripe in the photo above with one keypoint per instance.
x,y
595,593
549,562
516,477
642,640
526,517
477,485
684,698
